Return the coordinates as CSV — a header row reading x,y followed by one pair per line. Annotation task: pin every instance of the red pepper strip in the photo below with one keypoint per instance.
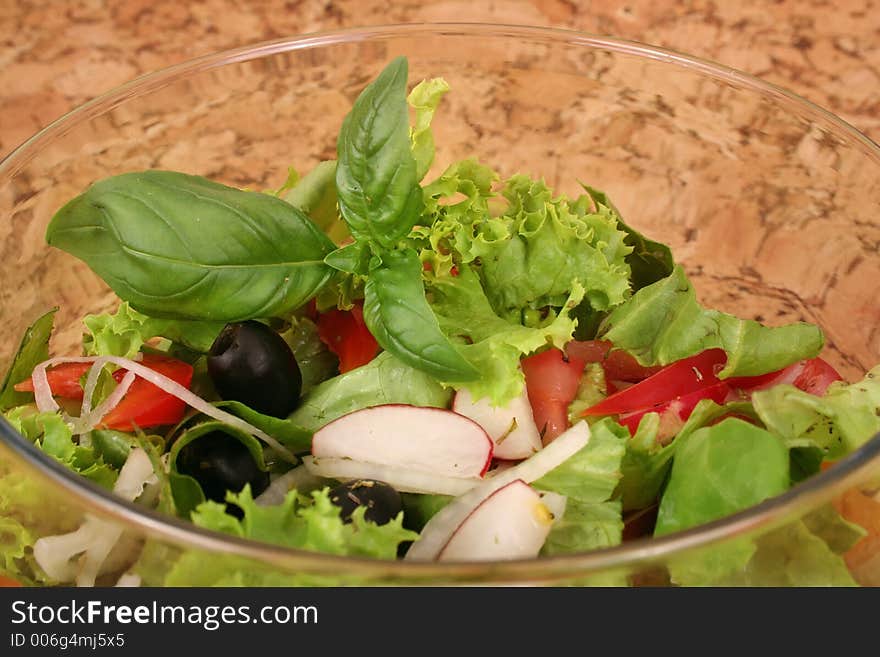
x,y
346,334
63,380
551,383
812,376
617,364
144,404
676,411
676,380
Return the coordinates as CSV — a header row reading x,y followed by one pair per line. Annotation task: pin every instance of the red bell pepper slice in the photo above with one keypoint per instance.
x,y
681,378
346,334
64,380
144,404
552,381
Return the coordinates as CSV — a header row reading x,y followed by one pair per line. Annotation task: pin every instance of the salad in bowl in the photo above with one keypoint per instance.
x,y
367,362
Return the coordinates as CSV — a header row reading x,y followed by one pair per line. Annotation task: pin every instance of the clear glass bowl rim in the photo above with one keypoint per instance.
x,y
852,470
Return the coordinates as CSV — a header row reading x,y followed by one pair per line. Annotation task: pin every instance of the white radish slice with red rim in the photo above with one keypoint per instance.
x,y
512,523
443,524
431,440
405,480
511,427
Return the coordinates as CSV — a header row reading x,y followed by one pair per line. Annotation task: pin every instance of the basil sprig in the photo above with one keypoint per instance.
x,y
377,184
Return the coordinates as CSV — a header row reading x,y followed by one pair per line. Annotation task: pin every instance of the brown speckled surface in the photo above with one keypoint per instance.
x,y
56,54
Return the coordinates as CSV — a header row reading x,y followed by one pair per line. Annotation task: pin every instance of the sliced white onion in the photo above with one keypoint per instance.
x,y
298,478
90,385
95,538
41,390
406,480
90,419
443,524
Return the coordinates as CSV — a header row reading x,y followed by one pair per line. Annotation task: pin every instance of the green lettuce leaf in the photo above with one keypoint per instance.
x,y
312,524
719,470
588,479
124,332
837,423
663,323
424,99
51,433
647,460
32,350
492,344
384,380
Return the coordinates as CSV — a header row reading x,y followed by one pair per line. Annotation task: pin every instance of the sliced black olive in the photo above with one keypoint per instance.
x,y
381,500
252,364
221,463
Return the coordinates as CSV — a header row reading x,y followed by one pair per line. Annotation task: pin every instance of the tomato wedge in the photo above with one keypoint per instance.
x,y
64,380
551,383
144,404
617,364
813,376
346,334
8,582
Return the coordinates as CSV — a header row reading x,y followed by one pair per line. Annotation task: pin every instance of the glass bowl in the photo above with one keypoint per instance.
x,y
769,202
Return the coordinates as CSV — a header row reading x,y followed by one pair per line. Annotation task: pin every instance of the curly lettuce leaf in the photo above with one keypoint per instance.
x,y
312,524
51,433
842,420
649,261
124,332
588,479
492,344
532,254
663,323
424,99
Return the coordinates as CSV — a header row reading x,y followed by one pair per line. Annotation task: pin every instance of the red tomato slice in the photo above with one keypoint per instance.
x,y
681,378
346,334
813,376
8,582
551,383
618,364
63,380
144,404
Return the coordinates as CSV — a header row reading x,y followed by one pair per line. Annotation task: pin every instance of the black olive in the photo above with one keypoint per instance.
x,y
382,501
252,364
221,463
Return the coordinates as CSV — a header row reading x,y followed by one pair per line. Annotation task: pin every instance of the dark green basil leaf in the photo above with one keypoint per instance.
x,y
399,317
352,258
32,350
376,179
184,247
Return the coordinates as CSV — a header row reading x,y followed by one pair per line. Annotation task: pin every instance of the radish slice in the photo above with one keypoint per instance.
x,y
405,480
512,523
443,524
432,440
